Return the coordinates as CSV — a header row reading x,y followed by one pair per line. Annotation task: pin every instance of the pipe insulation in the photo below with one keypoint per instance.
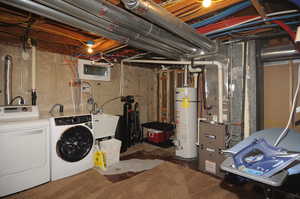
x,y
122,18
160,16
53,14
107,25
7,79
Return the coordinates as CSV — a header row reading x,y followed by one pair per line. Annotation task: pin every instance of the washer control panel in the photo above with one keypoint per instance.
x,y
80,119
18,112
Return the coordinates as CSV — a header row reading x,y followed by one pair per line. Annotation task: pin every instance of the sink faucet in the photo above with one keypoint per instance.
x,y
61,108
21,101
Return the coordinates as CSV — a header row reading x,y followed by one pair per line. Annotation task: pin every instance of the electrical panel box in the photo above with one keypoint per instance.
x,y
212,140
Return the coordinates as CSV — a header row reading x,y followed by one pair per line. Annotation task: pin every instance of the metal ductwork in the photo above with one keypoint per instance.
x,y
7,79
160,16
136,24
279,53
53,14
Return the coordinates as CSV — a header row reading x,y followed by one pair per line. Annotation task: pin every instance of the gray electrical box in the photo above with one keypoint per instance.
x,y
211,143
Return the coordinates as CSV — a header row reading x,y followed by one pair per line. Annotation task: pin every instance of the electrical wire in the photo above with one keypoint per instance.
x,y
285,131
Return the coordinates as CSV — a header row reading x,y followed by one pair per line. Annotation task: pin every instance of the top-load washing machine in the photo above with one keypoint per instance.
x,y
71,146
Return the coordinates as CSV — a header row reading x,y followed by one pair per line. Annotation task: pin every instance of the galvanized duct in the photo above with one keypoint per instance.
x,y
107,25
158,15
279,52
42,10
125,19
7,79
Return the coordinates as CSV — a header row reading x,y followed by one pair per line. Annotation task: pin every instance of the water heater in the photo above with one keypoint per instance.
x,y
186,122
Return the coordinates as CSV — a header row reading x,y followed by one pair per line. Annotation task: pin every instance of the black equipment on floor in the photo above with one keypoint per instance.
x,y
129,128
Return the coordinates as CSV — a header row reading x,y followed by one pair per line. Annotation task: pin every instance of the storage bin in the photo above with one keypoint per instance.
x,y
111,149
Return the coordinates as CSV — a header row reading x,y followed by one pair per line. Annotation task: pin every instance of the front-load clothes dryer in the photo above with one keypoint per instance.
x,y
72,143
24,154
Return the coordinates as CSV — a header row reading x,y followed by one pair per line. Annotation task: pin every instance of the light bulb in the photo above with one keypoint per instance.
x,y
206,3
90,50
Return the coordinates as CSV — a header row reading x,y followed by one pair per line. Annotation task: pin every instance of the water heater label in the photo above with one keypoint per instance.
x,y
185,102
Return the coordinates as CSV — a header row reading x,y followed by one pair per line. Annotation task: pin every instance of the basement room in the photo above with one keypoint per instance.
x,y
152,99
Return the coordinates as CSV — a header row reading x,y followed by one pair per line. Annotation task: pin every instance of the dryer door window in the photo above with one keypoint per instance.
x,y
74,144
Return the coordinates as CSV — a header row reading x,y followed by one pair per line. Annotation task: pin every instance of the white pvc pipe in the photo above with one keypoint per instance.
x,y
33,67
195,70
195,75
220,82
185,84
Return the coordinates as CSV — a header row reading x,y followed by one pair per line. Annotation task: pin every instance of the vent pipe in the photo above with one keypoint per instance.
x,y
160,16
7,79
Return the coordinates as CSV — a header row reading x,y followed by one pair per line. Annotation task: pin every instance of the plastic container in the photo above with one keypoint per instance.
x,y
111,149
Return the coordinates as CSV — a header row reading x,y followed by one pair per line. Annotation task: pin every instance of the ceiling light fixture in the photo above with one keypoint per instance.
x,y
206,3
90,44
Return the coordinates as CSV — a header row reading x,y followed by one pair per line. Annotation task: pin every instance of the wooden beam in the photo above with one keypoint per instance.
x,y
109,44
42,45
259,8
39,35
62,31
44,26
203,11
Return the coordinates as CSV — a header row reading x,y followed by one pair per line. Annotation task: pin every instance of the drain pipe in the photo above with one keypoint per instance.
x,y
7,79
219,65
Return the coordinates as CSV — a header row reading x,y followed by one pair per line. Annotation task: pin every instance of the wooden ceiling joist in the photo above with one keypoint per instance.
x,y
204,11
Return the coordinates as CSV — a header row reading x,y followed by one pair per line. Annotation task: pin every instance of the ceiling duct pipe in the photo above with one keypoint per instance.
x,y
279,53
130,21
7,79
55,15
107,25
160,16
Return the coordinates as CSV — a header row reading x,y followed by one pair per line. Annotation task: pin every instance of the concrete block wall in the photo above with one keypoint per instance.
x,y
54,75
